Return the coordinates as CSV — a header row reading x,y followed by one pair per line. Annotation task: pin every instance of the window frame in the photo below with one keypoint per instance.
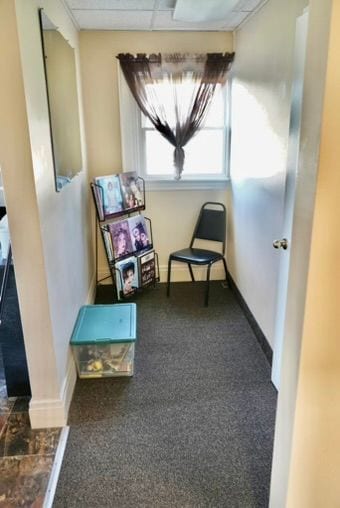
x,y
133,146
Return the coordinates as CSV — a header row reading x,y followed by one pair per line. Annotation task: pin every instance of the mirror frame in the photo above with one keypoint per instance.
x,y
58,185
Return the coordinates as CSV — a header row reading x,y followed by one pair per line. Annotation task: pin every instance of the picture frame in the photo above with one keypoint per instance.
x,y
139,233
121,238
147,268
127,278
132,190
111,199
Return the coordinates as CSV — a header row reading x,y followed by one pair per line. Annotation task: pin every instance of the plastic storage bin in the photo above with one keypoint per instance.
x,y
103,340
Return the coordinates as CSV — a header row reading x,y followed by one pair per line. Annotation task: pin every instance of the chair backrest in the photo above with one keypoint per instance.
x,y
211,224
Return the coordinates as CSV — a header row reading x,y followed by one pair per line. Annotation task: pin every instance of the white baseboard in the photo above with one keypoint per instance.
x,y
54,412
45,413
57,462
179,273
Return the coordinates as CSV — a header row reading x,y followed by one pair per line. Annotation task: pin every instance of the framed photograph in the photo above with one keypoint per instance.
x,y
132,190
111,194
108,243
127,277
139,233
98,198
147,268
121,238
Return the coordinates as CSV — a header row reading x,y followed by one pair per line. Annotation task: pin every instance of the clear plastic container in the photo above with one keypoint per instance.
x,y
103,340
104,361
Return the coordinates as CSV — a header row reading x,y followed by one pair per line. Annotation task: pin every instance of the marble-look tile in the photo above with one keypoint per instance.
x,y
19,439
24,480
21,404
3,421
6,405
26,455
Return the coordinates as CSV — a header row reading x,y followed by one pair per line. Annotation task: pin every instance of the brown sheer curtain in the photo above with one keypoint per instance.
x,y
186,81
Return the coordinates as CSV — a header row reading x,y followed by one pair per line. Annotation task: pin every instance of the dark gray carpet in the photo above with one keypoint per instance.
x,y
193,427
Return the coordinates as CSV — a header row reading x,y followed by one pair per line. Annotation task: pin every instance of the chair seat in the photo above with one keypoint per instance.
x,y
196,256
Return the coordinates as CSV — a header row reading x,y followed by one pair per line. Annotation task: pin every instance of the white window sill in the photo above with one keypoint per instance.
x,y
154,184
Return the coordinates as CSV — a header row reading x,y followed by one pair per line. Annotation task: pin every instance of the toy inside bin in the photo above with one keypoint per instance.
x,y
103,340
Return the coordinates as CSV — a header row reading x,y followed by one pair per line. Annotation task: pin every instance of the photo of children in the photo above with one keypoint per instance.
x,y
112,196
139,233
121,238
127,277
131,190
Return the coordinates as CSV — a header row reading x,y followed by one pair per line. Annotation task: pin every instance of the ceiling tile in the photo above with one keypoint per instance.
x,y
247,5
139,14
97,5
163,21
113,20
234,20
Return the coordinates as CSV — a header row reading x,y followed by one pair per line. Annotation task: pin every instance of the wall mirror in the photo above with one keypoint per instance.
x,y
61,87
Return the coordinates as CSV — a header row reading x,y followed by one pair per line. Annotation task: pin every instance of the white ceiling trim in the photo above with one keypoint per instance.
x,y
70,13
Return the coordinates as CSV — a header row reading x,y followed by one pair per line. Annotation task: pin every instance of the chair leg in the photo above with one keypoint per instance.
x,y
207,287
226,271
191,273
169,276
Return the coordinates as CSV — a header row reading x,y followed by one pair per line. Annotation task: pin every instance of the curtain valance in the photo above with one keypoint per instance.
x,y
188,82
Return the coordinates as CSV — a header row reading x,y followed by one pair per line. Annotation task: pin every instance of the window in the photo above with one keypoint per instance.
x,y
145,150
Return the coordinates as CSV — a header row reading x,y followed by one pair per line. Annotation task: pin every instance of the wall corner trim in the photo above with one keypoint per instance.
x,y
91,294
45,413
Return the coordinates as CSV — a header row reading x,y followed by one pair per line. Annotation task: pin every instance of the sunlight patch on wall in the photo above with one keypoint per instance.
x,y
257,149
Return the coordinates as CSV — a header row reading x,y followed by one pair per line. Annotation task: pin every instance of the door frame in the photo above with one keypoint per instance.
x,y
311,120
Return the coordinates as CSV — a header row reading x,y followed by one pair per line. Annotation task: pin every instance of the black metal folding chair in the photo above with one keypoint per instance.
x,y
211,225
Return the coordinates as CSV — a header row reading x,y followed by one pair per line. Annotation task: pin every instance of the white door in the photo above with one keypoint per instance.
x,y
284,237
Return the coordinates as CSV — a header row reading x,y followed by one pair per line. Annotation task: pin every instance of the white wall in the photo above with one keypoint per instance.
x,y
263,74
23,215
173,213
49,230
261,93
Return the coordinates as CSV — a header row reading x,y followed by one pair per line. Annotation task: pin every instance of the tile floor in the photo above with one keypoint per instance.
x,y
26,455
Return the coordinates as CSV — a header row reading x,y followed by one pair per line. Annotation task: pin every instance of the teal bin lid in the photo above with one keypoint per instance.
x,y
105,324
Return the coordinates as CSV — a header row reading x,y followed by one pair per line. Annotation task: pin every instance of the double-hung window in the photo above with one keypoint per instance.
x,y
145,150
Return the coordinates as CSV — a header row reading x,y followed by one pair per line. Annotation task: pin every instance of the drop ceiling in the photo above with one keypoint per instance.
x,y
149,15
